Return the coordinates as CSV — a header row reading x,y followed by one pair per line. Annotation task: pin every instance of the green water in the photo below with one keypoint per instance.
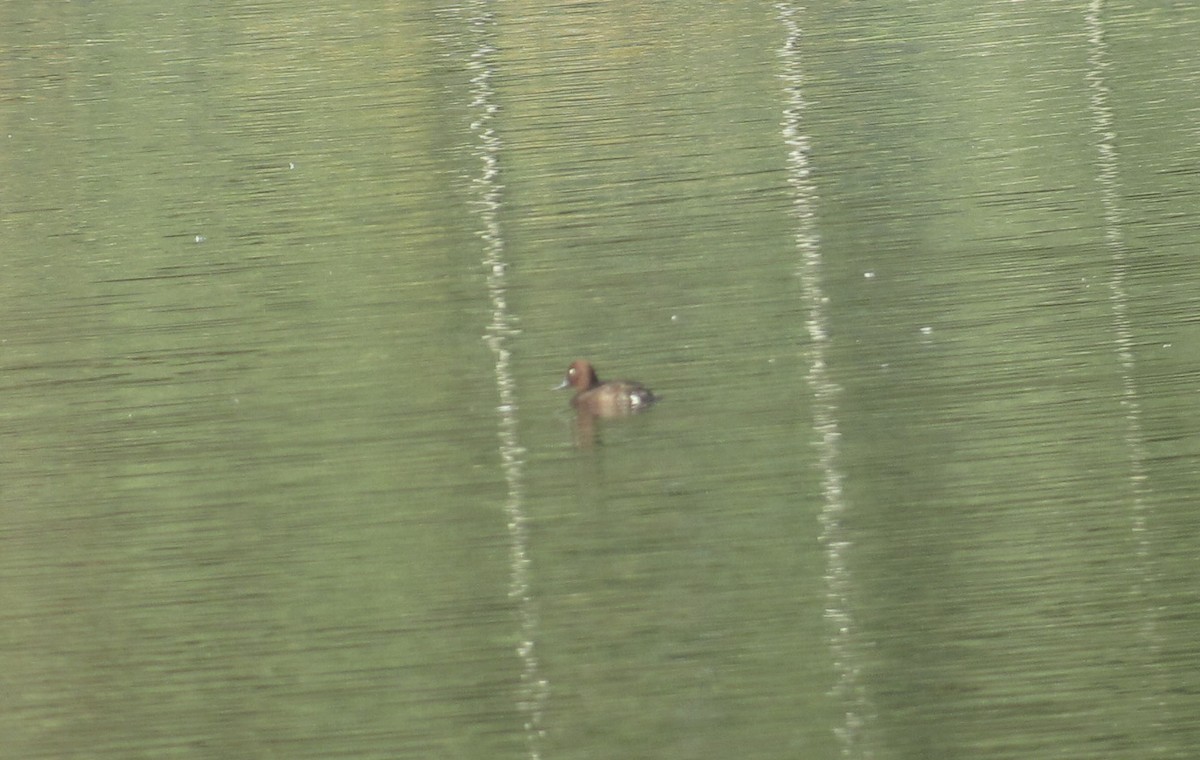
x,y
283,291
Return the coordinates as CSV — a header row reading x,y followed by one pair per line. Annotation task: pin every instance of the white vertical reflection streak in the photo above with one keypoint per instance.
x,y
844,639
487,191
1114,240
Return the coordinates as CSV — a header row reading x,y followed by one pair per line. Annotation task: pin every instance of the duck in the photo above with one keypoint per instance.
x,y
615,398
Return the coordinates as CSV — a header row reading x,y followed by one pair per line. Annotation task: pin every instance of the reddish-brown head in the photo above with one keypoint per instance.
x,y
580,375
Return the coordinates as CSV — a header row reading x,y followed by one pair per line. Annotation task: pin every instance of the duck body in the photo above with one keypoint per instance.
x,y
615,398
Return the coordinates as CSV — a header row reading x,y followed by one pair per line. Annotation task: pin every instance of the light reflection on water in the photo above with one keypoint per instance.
x,y
1109,178
844,636
533,689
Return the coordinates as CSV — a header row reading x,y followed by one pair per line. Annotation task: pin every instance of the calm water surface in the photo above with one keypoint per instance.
x,y
284,291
